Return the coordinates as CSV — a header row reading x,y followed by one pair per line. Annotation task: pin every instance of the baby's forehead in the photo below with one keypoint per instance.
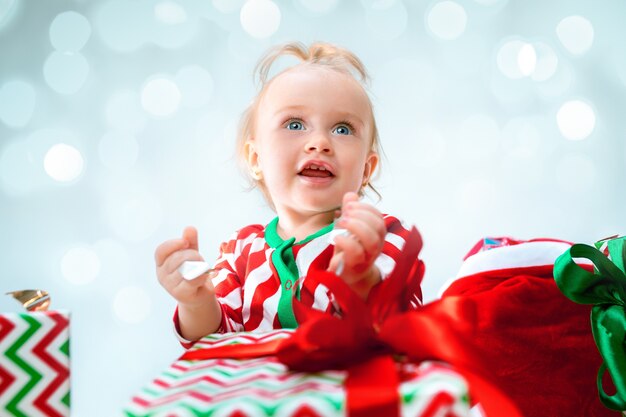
x,y
316,79
322,72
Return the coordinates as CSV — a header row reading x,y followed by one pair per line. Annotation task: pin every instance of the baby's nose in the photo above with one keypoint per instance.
x,y
319,143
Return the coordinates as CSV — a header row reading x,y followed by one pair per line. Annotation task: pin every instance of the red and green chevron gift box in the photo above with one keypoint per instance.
x,y
34,364
265,387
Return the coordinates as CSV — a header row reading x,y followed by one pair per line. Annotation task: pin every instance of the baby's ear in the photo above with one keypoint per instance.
x,y
370,167
252,158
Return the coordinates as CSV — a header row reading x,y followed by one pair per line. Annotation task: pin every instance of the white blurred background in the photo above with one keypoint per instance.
x,y
117,123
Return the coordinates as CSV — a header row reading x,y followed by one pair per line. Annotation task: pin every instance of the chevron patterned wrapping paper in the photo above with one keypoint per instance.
x,y
264,387
35,364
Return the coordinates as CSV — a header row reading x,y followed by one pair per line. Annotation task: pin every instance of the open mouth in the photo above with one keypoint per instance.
x,y
316,171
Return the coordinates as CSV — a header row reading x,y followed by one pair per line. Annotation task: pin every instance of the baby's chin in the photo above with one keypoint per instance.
x,y
329,210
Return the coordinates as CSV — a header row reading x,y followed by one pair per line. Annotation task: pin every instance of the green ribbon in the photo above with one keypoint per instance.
x,y
606,290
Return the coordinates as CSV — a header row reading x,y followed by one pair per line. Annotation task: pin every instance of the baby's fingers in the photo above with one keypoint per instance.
x,y
205,280
336,263
351,249
366,230
191,292
360,205
176,259
349,197
190,234
167,248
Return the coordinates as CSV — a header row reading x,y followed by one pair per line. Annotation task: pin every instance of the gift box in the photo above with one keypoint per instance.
x,y
604,289
537,343
266,387
384,357
35,364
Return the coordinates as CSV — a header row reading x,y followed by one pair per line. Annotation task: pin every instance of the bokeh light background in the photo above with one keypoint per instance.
x,y
117,123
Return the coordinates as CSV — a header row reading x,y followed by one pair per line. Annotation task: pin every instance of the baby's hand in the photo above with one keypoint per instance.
x,y
358,250
169,256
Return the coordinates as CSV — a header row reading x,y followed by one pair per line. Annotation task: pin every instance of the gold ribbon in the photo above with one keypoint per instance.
x,y
32,300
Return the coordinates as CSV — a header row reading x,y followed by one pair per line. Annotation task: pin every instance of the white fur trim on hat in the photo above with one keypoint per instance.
x,y
524,255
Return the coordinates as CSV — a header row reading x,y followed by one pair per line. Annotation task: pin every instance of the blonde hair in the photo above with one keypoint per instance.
x,y
317,54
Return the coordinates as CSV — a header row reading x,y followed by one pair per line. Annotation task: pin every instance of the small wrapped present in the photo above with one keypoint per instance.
x,y
537,342
605,289
265,387
376,359
35,364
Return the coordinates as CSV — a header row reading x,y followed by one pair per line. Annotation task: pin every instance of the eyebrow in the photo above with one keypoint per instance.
x,y
287,109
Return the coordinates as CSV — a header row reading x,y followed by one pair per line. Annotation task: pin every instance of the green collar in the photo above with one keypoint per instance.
x,y
274,240
285,264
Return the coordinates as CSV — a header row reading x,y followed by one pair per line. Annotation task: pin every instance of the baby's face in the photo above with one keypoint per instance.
x,y
313,139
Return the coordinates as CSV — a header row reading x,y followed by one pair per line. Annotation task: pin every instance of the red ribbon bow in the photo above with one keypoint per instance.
x,y
367,336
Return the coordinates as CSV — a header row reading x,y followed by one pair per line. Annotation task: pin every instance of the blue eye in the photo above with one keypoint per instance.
x,y
343,130
295,125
